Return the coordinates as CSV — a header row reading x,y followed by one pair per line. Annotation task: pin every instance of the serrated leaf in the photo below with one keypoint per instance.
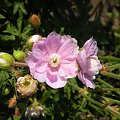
x,y
2,17
12,30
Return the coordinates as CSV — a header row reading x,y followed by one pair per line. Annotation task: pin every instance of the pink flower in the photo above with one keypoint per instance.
x,y
89,63
53,60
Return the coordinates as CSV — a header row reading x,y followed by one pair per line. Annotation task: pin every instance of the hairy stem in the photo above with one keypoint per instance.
x,y
19,64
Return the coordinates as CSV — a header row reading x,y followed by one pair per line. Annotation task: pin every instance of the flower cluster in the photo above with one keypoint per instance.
x,y
57,58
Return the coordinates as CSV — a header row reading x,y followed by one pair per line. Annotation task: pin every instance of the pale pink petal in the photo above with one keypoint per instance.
x,y
87,80
93,71
52,78
53,42
31,61
37,54
41,67
58,82
88,43
40,44
91,47
62,72
39,50
70,69
41,77
82,60
67,49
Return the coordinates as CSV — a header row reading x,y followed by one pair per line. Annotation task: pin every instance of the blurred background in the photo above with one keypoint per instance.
x,y
79,18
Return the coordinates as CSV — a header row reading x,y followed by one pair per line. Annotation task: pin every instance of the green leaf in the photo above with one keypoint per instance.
x,y
11,30
26,32
19,24
3,78
17,117
22,7
16,7
2,17
7,37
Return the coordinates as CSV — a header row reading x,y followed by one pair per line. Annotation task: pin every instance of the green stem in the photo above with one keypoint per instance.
x,y
105,83
86,96
108,85
111,89
114,101
93,101
112,67
108,58
112,75
98,109
82,104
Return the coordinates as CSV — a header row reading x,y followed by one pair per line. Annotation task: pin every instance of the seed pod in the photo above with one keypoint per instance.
x,y
6,60
19,55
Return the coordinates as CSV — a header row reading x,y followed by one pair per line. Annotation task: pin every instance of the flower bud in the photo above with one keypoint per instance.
x,y
6,60
43,88
26,85
19,55
17,112
35,21
32,40
12,102
5,91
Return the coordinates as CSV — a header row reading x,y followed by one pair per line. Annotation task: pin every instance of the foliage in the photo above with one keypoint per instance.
x,y
81,19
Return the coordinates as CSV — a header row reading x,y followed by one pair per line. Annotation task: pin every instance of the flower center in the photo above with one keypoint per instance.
x,y
54,60
26,83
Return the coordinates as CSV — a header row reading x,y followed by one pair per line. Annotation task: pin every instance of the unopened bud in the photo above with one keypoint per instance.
x,y
19,55
26,85
6,60
5,91
35,21
12,102
32,40
17,112
43,88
